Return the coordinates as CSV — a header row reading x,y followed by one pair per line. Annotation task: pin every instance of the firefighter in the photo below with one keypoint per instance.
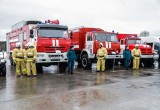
x,y
18,58
127,57
30,56
71,59
101,56
136,54
25,60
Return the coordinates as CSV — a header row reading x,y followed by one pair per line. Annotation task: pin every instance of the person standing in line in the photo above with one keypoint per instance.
x,y
71,59
31,55
136,54
101,56
18,58
127,57
25,60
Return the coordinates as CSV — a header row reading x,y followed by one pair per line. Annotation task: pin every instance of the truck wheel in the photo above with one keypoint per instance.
x,y
62,67
109,64
4,71
86,63
39,68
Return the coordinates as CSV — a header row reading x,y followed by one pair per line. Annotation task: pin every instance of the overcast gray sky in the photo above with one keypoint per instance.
x,y
124,16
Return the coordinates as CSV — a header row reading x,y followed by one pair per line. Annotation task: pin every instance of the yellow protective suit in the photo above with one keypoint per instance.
x,y
101,56
30,56
18,58
136,54
25,60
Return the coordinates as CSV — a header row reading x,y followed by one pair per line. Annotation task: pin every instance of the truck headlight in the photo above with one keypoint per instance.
x,y
114,53
58,51
40,55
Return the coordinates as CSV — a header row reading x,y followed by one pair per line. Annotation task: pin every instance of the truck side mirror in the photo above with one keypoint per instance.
x,y
71,34
31,31
31,36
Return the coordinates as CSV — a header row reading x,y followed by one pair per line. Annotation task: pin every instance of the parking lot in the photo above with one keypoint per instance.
x,y
85,90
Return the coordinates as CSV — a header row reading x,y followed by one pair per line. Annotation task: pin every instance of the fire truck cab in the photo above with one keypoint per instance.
x,y
86,42
50,39
131,40
154,42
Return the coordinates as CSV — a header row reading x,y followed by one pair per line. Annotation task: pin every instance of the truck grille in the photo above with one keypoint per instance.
x,y
53,49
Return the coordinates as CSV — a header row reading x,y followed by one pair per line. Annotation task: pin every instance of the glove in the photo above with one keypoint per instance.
x,y
34,61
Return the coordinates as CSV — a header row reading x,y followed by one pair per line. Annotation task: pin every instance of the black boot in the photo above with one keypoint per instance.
x,y
72,72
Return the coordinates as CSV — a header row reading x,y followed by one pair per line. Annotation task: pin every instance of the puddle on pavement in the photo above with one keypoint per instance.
x,y
51,69
101,78
85,97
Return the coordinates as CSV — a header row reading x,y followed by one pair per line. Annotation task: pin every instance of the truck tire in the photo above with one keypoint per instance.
x,y
39,69
4,71
109,63
86,63
62,67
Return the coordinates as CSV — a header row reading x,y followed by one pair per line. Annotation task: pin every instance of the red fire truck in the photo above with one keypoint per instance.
x,y
131,40
86,42
51,41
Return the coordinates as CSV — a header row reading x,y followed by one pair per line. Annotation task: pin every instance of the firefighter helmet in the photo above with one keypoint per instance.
x,y
18,44
136,45
26,45
101,44
30,44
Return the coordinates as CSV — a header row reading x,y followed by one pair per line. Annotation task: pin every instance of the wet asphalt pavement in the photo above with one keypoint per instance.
x,y
85,90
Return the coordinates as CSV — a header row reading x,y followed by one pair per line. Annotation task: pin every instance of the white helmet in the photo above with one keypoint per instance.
x,y
26,45
30,44
136,45
18,44
101,44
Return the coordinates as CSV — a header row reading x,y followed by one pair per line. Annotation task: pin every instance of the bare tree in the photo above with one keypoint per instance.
x,y
144,34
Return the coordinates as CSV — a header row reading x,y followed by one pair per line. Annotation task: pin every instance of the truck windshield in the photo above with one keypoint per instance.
x,y
53,32
134,41
107,37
